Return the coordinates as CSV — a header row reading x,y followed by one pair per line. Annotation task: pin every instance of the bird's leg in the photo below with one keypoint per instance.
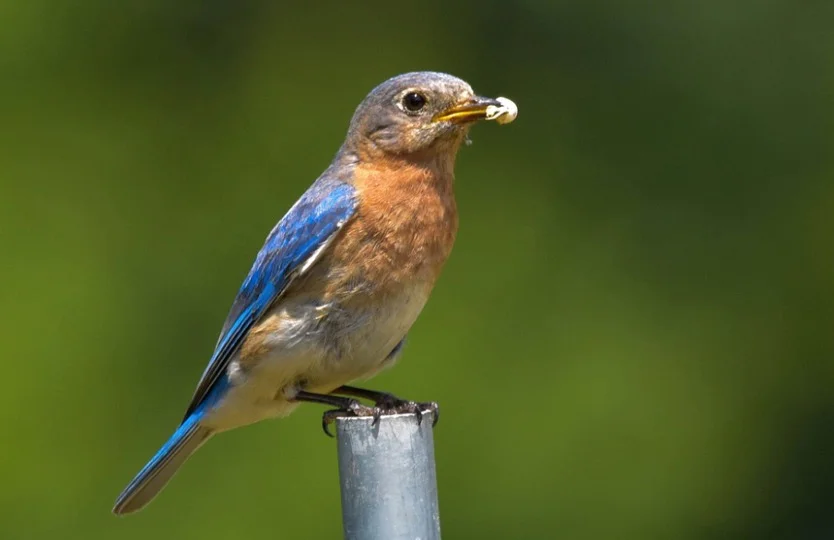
x,y
391,404
346,407
381,399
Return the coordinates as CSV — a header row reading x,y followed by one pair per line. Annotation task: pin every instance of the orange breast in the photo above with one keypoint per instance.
x,y
404,228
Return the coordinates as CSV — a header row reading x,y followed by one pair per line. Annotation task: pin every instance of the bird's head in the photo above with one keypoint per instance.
x,y
422,112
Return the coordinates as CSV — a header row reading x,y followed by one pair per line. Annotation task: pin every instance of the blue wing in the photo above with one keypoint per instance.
x,y
289,249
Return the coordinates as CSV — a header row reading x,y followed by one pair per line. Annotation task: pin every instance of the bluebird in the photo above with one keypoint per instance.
x,y
342,277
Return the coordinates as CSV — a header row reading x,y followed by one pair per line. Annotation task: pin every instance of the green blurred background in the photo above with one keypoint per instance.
x,y
633,338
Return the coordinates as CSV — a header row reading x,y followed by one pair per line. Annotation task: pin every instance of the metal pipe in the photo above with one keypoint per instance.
x,y
388,479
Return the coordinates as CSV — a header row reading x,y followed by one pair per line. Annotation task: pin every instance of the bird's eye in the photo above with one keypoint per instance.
x,y
414,101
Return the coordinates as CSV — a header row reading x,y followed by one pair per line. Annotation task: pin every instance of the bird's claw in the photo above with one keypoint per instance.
x,y
390,404
387,405
377,414
355,409
428,407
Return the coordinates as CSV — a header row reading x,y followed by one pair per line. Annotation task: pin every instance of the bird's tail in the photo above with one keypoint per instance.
x,y
153,476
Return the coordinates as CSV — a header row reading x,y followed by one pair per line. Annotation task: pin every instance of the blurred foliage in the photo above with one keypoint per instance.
x,y
633,338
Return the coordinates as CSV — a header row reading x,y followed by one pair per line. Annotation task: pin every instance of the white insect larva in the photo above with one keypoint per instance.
x,y
504,113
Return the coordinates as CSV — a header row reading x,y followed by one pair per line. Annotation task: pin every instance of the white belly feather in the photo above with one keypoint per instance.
x,y
315,347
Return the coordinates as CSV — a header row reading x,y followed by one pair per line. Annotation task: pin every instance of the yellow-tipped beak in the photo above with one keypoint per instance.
x,y
502,110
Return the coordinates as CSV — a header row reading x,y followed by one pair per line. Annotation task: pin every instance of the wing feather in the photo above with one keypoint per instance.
x,y
291,249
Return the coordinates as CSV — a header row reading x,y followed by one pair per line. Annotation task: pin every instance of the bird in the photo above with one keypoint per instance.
x,y
342,277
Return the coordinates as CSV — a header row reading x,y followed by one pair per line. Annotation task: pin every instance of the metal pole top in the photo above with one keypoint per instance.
x,y
388,479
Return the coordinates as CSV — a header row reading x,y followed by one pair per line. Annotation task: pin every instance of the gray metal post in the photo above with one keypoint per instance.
x,y
387,474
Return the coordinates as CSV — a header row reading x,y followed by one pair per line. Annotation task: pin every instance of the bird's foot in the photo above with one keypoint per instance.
x,y
391,404
385,403
353,409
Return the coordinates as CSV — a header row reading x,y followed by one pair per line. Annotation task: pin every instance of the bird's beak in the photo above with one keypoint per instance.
x,y
479,108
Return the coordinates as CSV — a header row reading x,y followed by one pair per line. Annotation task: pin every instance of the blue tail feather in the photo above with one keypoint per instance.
x,y
153,476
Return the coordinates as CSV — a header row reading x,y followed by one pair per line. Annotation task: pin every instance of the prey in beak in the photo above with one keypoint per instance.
x,y
502,110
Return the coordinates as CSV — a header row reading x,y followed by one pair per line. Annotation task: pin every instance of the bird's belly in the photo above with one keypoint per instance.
x,y
314,346
368,333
